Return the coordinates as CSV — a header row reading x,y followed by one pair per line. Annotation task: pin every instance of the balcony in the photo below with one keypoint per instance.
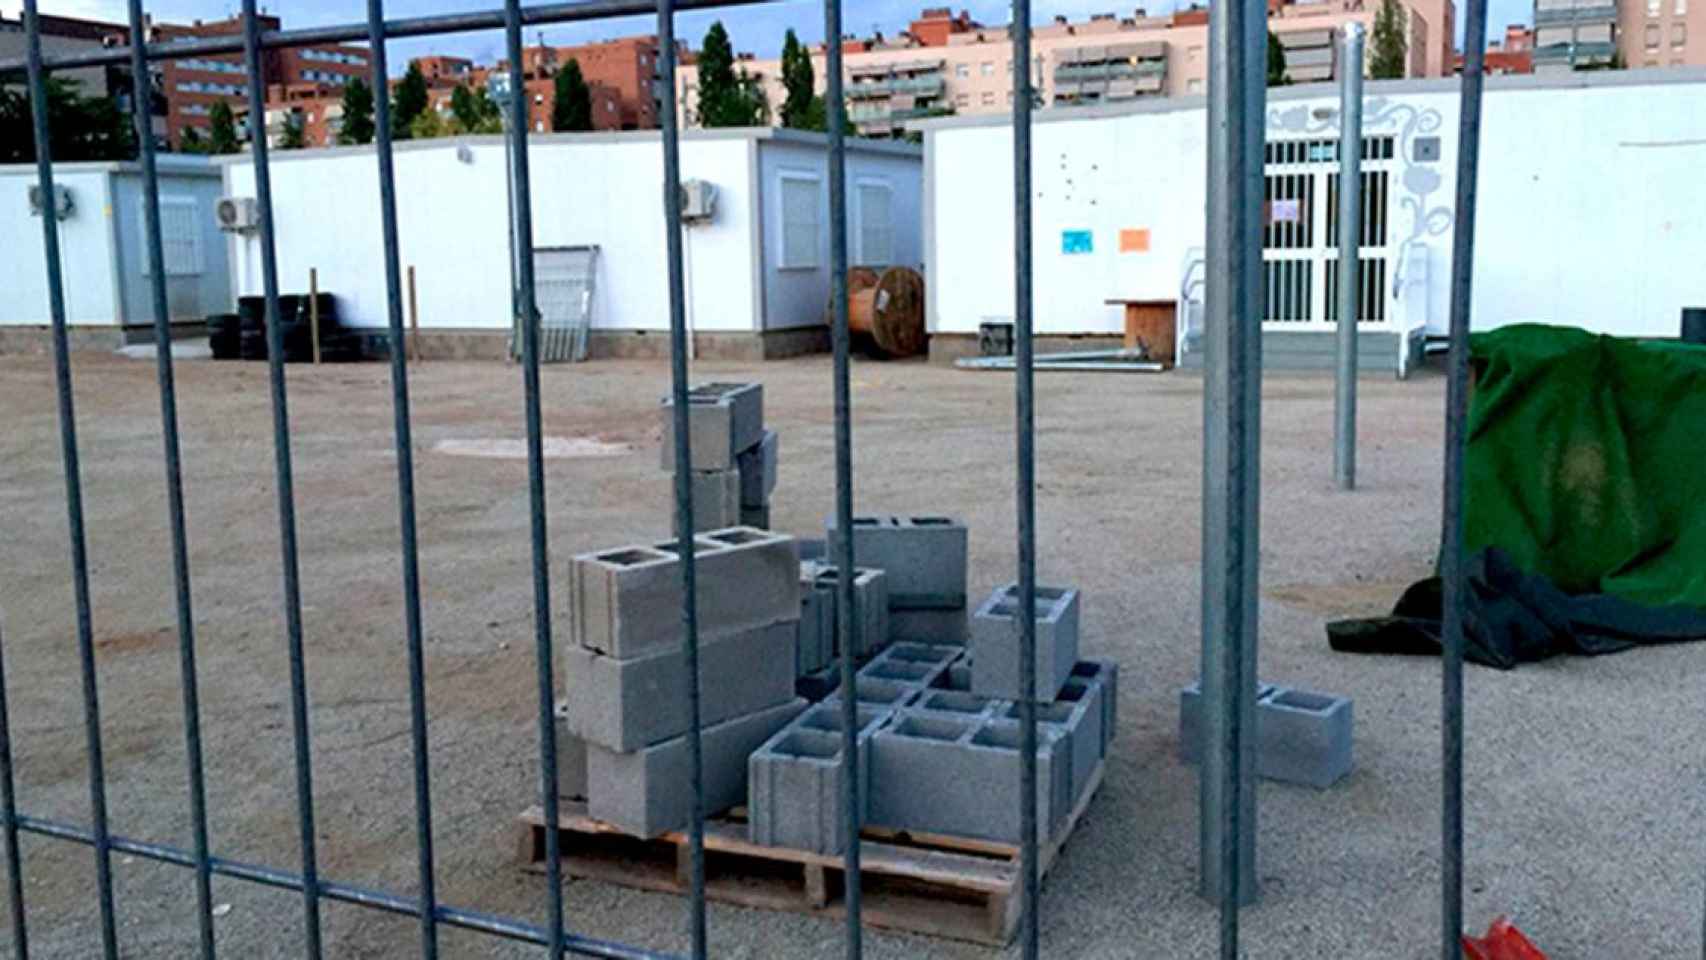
x,y
1566,16
1108,72
921,85
1581,53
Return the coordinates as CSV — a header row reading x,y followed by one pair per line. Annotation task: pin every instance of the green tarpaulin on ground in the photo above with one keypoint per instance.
x,y
1587,461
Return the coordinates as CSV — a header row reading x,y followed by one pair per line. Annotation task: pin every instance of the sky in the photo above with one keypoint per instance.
x,y
757,28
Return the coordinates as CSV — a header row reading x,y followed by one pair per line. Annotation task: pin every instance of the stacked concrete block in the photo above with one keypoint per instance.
x,y
816,646
948,773
571,758
925,559
794,781
734,458
994,649
716,501
647,792
870,605
1302,737
1079,725
1106,673
757,467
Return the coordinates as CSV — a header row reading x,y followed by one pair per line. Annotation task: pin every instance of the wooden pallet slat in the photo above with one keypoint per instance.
x,y
955,887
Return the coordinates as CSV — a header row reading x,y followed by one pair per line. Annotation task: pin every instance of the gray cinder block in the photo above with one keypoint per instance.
x,y
1080,730
916,664
723,420
994,648
813,548
758,469
924,557
816,647
1091,693
961,702
628,704
627,602
928,626
1107,672
716,501
648,792
794,781
879,691
571,758
870,605
937,773
1301,737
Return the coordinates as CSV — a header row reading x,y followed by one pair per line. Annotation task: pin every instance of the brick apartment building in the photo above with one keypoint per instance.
x,y
619,74
1512,54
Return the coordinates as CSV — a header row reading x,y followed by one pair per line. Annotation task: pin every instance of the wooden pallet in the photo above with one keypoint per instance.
x,y
954,887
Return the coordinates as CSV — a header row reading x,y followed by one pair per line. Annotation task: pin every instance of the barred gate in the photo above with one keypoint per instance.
x,y
1231,451
1300,240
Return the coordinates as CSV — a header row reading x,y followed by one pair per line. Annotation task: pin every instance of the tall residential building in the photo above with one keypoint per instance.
x,y
620,74
64,36
1662,33
1575,34
1512,54
945,63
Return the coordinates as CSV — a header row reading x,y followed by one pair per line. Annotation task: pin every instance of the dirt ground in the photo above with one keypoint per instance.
x,y
1582,777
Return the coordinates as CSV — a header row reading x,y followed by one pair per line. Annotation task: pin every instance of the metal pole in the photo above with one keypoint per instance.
x,y
846,610
73,483
284,485
9,821
405,449
683,462
413,350
522,228
142,114
509,223
1231,459
314,309
1451,538
1350,270
1025,491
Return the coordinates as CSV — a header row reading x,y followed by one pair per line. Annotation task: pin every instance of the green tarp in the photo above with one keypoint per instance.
x,y
1587,461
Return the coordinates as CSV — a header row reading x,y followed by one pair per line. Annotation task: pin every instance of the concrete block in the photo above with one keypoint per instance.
x,y
627,602
648,792
917,664
957,676
628,704
758,469
880,692
961,702
1081,732
571,758
870,605
758,517
716,501
794,781
928,626
924,557
723,420
937,773
994,647
816,645
1090,692
1107,672
1301,737
819,684
812,548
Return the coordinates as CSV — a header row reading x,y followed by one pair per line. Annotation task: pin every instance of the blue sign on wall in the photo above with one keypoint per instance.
x,y
1076,241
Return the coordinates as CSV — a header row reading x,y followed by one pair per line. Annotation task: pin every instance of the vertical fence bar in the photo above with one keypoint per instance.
x,y
73,483
1349,282
1451,537
1231,460
142,114
284,482
9,820
841,341
402,435
527,320
1026,492
683,461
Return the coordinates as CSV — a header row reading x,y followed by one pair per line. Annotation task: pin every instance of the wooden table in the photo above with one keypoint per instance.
x,y
1150,323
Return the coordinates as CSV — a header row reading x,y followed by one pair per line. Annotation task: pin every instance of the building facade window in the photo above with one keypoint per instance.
x,y
1682,8
988,68
962,70
1679,35
1652,36
799,193
962,100
1193,85
1653,8
876,223
988,98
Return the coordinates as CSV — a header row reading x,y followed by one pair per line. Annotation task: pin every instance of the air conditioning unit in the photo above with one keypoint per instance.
x,y
698,200
237,214
61,201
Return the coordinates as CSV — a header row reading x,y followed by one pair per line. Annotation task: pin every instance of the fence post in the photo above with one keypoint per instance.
x,y
1350,269
314,311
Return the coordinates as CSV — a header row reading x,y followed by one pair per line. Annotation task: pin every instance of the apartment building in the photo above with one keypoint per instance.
x,y
1514,53
316,108
947,63
619,73
62,36
1662,33
1575,34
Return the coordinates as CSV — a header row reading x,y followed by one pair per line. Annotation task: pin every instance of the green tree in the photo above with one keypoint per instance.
x,y
409,102
571,107
797,79
1276,61
726,99
191,142
1390,49
79,127
358,113
222,135
293,136
817,117
428,126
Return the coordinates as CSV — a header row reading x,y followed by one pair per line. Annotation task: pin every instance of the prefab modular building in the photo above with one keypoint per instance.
x,y
108,300
756,262
1591,201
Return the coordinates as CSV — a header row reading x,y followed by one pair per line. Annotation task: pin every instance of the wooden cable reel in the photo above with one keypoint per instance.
x,y
886,308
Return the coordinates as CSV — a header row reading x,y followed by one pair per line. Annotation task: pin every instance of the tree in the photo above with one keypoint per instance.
x,y
797,79
293,136
725,98
79,127
428,126
191,141
571,108
222,135
472,111
357,125
1389,51
1276,61
409,102
817,118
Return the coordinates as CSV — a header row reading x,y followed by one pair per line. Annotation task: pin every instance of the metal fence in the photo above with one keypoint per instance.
x,y
1232,405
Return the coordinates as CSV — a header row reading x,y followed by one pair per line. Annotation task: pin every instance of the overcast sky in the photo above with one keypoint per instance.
x,y
757,28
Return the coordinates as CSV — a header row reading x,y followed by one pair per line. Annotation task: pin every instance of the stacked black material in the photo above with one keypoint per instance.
x,y
243,335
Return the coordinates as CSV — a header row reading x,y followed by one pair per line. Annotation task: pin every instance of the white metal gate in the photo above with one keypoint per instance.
x,y
564,282
1300,244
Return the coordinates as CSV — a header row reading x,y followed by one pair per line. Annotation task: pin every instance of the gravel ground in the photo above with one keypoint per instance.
x,y
1582,776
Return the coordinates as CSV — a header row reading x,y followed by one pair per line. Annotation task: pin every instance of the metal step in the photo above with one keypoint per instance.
x,y
1377,351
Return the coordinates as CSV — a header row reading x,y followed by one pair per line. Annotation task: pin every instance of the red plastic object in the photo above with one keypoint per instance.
x,y
1502,942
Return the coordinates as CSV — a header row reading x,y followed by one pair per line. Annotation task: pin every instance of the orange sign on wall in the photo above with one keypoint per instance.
x,y
1134,241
